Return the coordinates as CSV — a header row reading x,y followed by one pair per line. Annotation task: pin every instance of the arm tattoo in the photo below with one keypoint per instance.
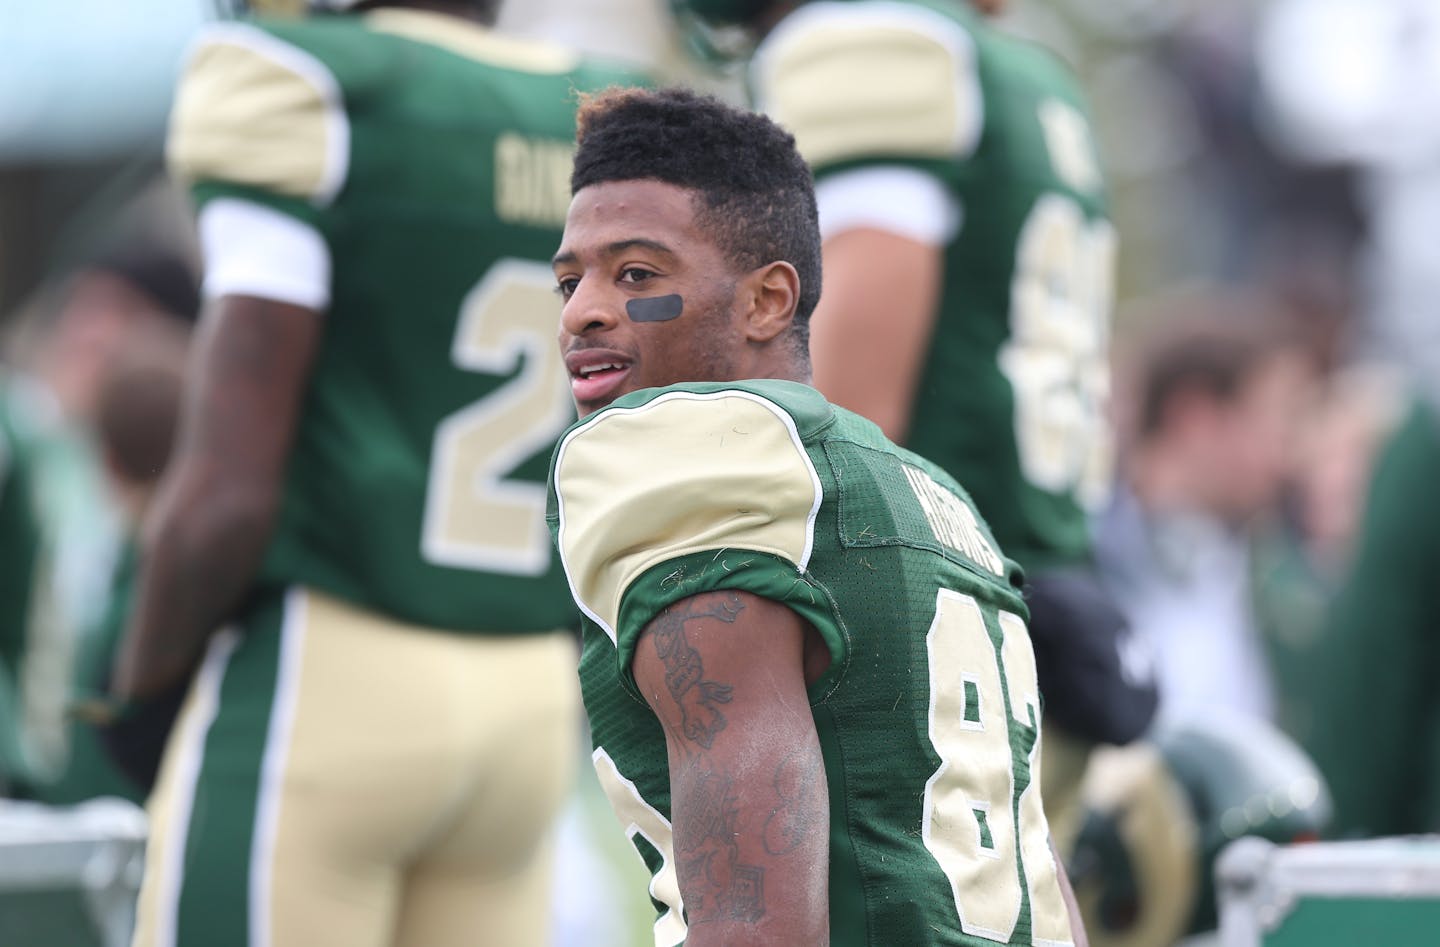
x,y
790,822
717,887
699,699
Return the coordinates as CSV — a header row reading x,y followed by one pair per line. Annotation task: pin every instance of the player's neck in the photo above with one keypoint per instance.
x,y
778,361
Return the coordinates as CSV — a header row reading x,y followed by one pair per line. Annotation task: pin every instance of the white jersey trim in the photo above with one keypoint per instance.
x,y
188,748
253,250
901,200
272,768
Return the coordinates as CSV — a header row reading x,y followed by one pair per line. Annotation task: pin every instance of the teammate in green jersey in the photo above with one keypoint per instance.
x,y
969,263
373,750
810,686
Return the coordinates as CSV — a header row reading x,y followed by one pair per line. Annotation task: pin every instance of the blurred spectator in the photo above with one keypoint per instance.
x,y
57,396
1303,553
106,300
136,414
1216,395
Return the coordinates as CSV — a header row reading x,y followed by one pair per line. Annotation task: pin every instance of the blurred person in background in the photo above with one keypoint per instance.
x,y
136,413
376,741
1303,551
54,398
1217,392
970,265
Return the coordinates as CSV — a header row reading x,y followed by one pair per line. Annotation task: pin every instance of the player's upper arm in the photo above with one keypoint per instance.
x,y
723,672
688,493
250,372
255,111
855,81
885,229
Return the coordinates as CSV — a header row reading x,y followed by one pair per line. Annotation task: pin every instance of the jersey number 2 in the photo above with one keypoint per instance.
x,y
476,518
970,809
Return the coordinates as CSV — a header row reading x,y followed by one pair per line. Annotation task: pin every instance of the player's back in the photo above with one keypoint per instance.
x,y
1012,389
433,157
928,714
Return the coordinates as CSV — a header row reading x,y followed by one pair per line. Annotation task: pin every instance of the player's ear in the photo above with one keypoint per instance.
x,y
775,292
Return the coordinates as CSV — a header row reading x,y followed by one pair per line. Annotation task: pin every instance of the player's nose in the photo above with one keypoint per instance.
x,y
589,310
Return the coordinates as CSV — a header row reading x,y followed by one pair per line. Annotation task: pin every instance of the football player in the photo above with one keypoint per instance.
x,y
810,685
373,747
969,262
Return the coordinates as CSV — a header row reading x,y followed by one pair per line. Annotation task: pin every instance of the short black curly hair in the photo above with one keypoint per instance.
x,y
755,193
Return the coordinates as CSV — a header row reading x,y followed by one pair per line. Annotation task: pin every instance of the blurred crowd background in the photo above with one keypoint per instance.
x,y
1275,167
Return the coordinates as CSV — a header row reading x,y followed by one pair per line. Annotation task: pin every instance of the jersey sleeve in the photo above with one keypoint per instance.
x,y
688,493
867,81
260,114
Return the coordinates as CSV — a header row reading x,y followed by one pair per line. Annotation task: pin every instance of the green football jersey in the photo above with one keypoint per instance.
x,y
1374,712
928,716
1011,396
433,156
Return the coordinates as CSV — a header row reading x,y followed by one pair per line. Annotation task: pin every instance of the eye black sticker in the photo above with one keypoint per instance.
x,y
656,309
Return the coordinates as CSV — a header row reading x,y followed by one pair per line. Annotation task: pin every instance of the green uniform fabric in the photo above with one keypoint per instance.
x,y
20,545
965,414
1376,729
871,589
88,771
412,232
1291,592
242,675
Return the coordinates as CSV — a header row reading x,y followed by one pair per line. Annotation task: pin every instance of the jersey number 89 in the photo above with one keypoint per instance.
x,y
983,723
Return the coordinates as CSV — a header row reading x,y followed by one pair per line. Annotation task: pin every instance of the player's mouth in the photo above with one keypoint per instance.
x,y
597,377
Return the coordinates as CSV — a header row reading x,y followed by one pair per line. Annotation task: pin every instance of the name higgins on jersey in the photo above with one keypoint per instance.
x,y
952,522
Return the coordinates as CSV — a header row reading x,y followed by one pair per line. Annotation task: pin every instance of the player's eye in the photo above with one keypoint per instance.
x,y
565,286
635,274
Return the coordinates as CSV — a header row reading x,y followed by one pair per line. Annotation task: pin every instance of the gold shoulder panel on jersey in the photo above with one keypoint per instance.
x,y
855,80
473,41
255,110
684,473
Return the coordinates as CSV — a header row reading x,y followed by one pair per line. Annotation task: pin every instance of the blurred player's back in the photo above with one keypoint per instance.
x,y
374,754
434,159
1010,394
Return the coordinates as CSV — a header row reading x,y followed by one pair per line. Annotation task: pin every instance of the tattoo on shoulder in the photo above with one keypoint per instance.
x,y
797,814
717,886
699,699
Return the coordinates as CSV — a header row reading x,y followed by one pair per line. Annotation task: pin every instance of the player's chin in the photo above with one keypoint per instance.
x,y
584,407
